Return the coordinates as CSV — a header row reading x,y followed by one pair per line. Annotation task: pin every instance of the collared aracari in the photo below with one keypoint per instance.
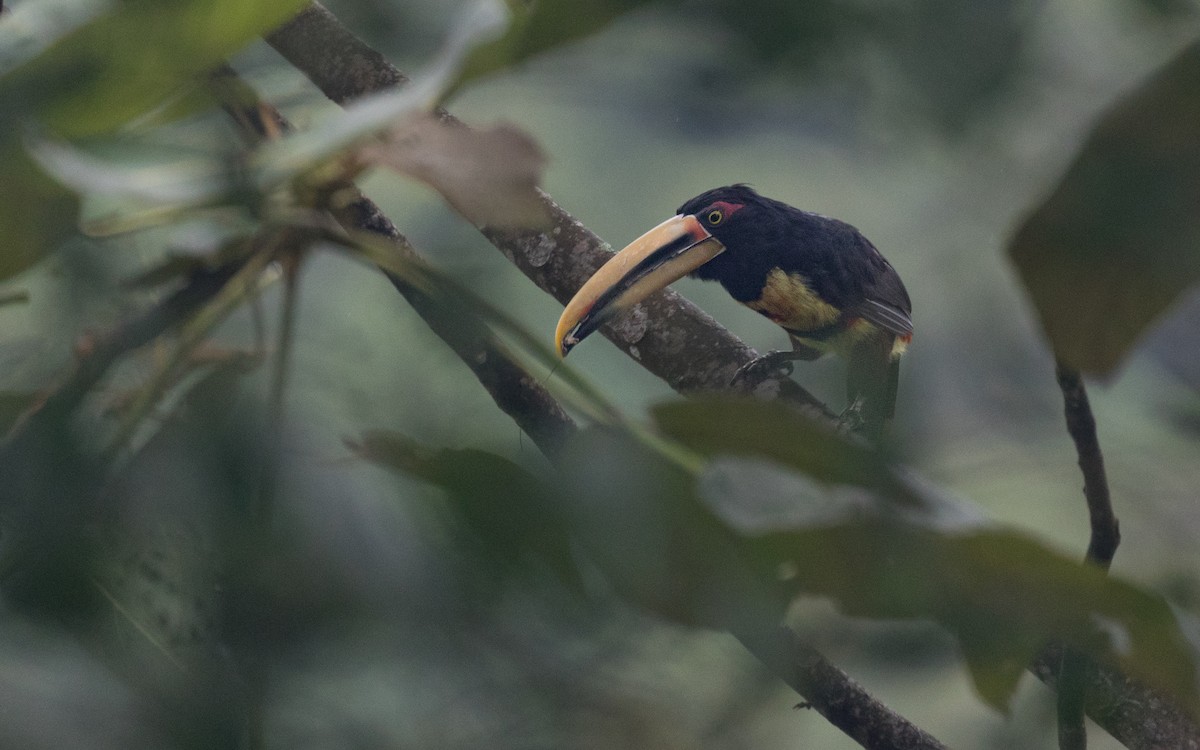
x,y
816,277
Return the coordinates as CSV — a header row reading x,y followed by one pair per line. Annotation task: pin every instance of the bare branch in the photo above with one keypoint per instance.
x,y
833,694
314,40
1135,715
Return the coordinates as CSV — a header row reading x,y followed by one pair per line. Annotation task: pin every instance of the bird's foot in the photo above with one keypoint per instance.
x,y
852,420
771,364
858,419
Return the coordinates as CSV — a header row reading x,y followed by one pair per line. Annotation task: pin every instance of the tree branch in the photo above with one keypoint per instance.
x,y
1135,715
338,62
562,257
515,391
833,694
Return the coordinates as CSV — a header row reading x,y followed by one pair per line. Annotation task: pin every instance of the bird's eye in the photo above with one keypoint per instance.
x,y
715,216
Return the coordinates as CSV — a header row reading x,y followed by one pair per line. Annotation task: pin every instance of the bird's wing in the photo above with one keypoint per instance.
x,y
887,304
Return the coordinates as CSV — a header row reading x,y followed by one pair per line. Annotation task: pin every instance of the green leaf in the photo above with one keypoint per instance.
x,y
289,157
30,28
12,405
539,26
36,213
637,514
97,76
130,60
508,510
137,186
650,526
567,383
762,429
1118,240
1004,595
490,176
882,546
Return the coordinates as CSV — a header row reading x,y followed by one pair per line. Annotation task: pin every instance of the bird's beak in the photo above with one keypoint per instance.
x,y
666,253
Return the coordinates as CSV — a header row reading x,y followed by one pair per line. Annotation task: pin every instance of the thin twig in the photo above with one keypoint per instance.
x,y
1102,545
1106,533
281,367
102,351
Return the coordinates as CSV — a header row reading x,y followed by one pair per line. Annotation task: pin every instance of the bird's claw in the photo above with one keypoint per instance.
x,y
851,420
771,364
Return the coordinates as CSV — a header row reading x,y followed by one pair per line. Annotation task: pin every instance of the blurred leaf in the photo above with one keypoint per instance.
x,y
144,190
94,78
755,496
227,249
1002,594
1170,10
182,180
640,518
12,406
30,28
636,513
489,176
508,510
36,213
1175,343
762,429
14,297
130,60
287,158
567,383
1119,239
538,26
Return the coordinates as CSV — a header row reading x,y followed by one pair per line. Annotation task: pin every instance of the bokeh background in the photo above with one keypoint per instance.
x,y
932,126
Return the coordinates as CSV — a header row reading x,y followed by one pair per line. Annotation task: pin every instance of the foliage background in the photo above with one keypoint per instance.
x,y
932,127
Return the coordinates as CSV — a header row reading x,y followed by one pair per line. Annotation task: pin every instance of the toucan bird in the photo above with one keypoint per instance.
x,y
816,277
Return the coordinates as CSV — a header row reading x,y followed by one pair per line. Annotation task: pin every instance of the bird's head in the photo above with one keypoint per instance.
x,y
706,227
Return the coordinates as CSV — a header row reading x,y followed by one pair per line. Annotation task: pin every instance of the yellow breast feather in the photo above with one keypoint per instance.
x,y
787,299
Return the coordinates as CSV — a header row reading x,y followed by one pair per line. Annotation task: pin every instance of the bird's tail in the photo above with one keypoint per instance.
x,y
872,381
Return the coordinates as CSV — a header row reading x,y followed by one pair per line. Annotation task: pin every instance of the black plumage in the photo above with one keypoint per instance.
x,y
817,277
840,265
